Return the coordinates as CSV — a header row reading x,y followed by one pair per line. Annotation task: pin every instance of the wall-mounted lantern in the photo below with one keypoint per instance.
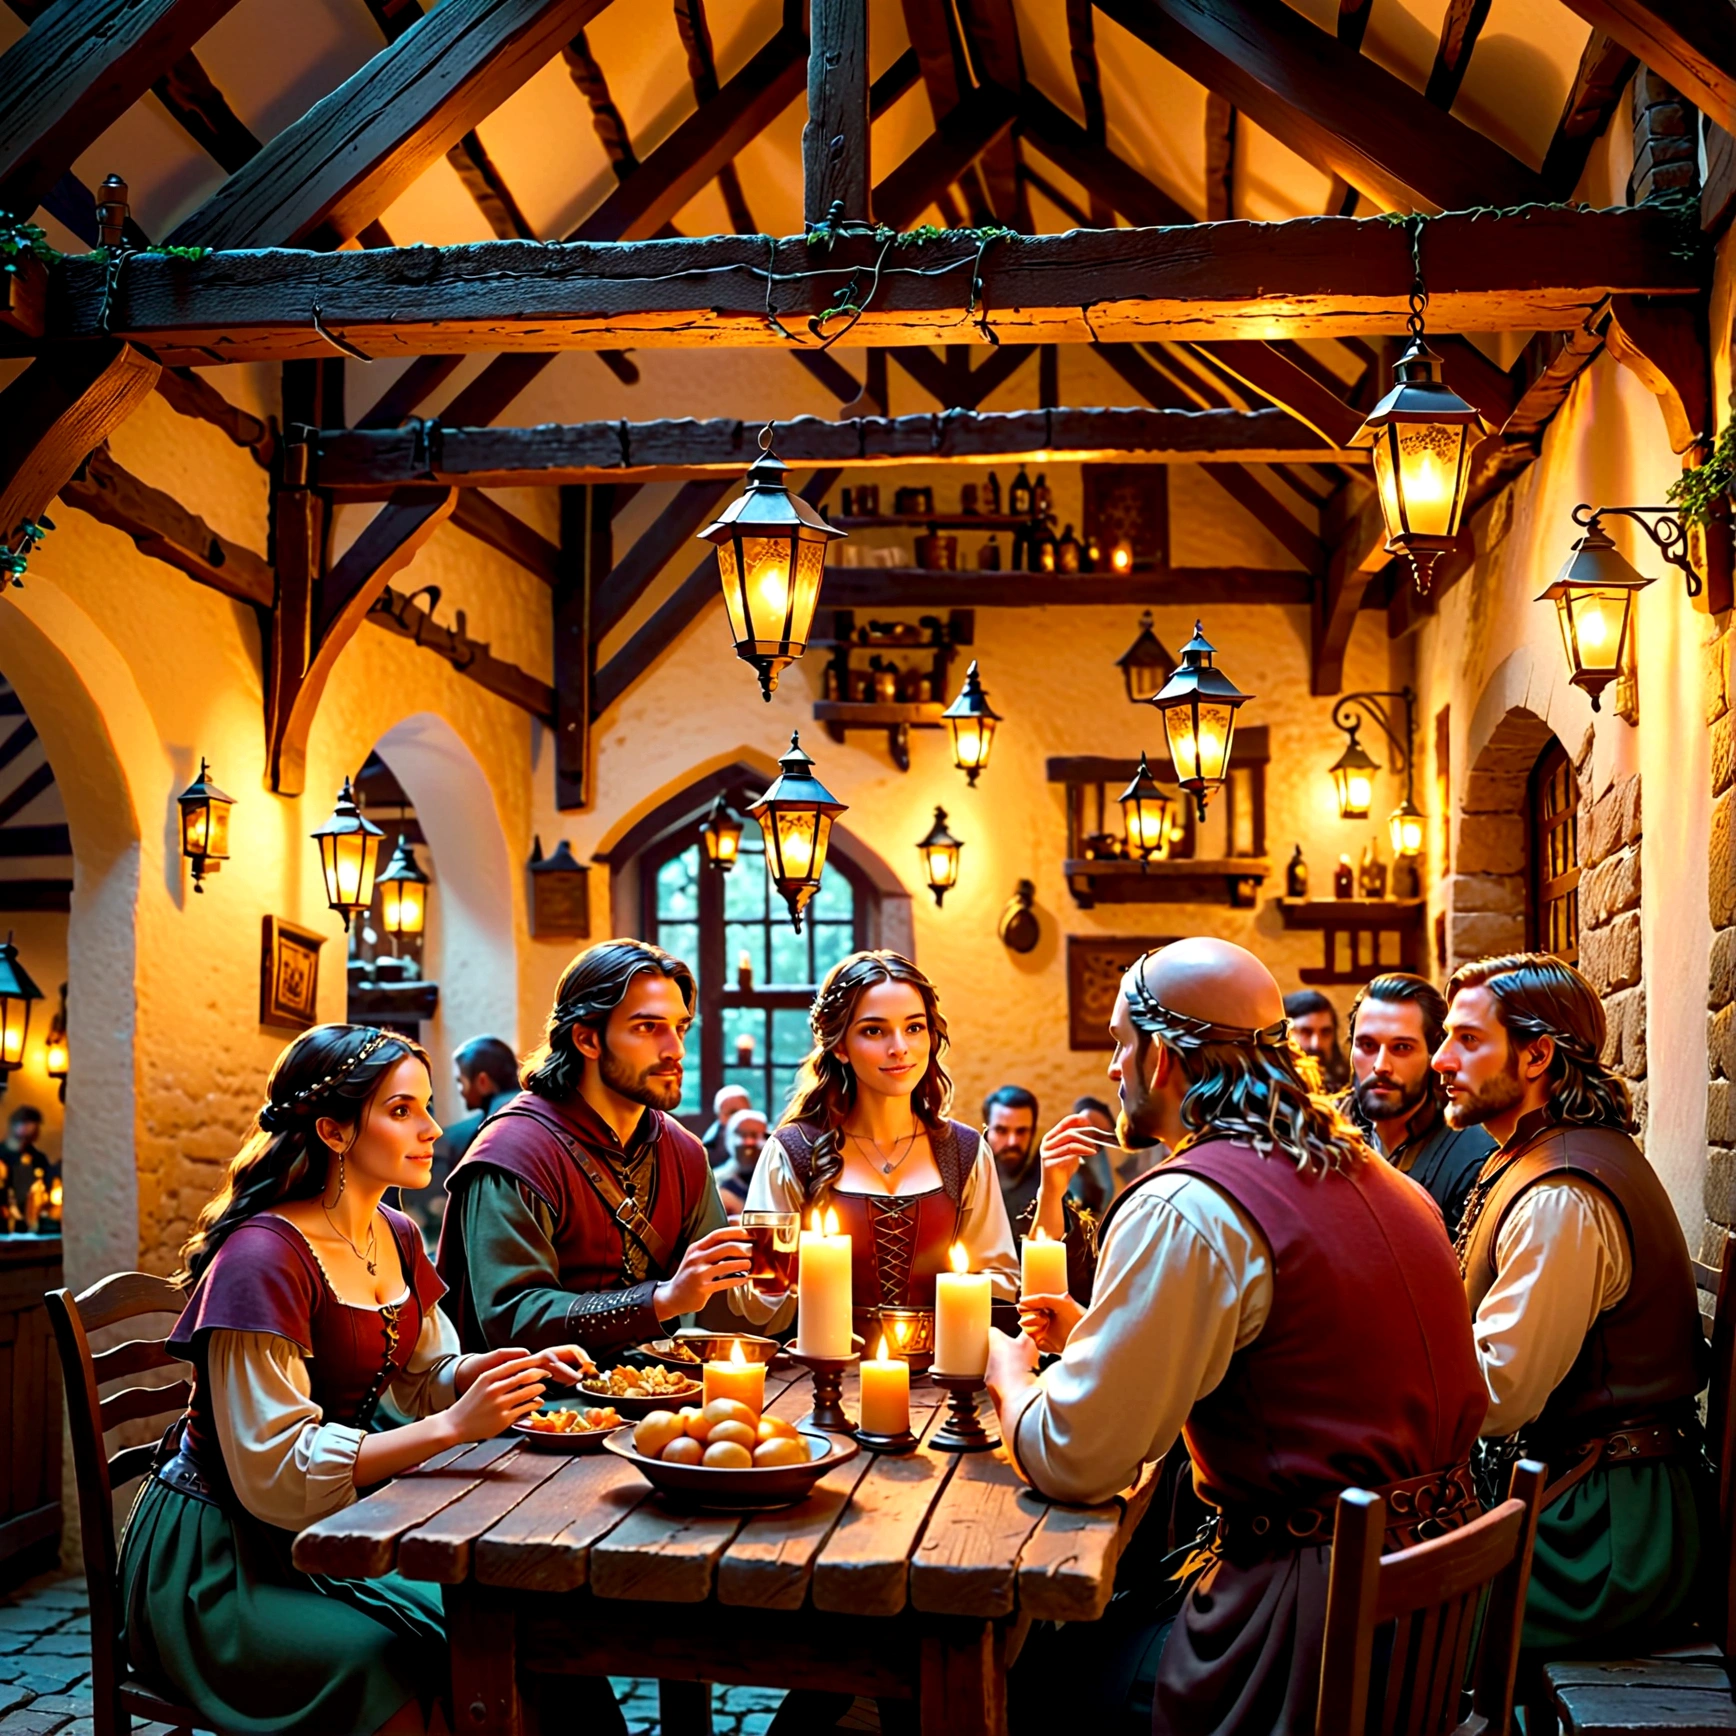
x,y
349,851
17,991
973,722
1353,771
204,825
57,1057
771,551
403,892
940,852
720,836
1145,665
795,818
1146,813
1199,704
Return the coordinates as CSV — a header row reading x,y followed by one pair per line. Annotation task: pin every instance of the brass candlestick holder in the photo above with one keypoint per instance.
x,y
962,1431
828,1372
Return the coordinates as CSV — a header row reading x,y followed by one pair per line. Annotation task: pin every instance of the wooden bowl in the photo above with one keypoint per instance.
x,y
723,1490
642,1405
579,1441
712,1347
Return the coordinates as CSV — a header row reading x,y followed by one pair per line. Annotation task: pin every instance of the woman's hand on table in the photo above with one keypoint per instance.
x,y
503,1393
566,1363
1048,1321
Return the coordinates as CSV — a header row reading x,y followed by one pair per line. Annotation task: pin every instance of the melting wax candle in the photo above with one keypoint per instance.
x,y
823,1287
737,1378
885,1394
1043,1266
961,1318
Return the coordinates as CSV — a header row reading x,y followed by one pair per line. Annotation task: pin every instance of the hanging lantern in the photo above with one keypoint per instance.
x,y
1422,435
721,835
1406,828
771,550
1593,601
795,818
403,892
1199,704
349,848
1145,665
204,825
57,1061
1353,776
1146,815
940,851
972,721
17,991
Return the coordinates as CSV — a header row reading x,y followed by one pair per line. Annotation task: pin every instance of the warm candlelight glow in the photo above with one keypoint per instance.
x,y
823,1282
831,1222
737,1378
961,1317
736,1356
885,1395
959,1258
881,1354
1121,558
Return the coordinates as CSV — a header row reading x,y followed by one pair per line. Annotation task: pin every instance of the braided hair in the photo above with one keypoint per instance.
x,y
826,1085
1537,995
330,1071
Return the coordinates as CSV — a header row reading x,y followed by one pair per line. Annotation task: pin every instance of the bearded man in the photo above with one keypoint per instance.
x,y
1397,1022
1586,1320
1275,1294
585,1211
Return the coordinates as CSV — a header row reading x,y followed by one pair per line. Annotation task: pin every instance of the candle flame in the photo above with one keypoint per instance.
x,y
902,1328
831,1222
735,1355
1038,1234
960,1259
814,1224
880,1354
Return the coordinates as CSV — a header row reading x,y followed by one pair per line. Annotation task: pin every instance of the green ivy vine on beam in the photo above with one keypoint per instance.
x,y
1697,493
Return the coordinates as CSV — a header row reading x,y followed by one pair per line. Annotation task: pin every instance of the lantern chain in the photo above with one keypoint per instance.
x,y
1419,295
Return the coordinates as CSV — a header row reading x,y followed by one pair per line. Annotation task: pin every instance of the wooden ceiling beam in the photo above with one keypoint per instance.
x,y
1534,270
1353,21
1117,185
836,160
362,465
1265,370
489,522
958,139
695,32
187,91
1220,158
78,68
1082,49
333,171
1271,511
1605,66
1358,556
607,120
191,394
1691,43
1329,104
472,658
694,505
1460,28
406,394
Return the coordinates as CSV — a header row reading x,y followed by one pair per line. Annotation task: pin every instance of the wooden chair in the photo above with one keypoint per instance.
x,y
1431,1598
119,1695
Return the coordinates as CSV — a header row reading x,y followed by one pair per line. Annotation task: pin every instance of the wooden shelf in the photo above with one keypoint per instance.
x,y
1308,913
1003,588
1351,931
1232,880
871,714
934,521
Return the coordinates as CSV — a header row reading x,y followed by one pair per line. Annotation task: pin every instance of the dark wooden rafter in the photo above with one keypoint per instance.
x,y
694,505
586,551
991,35
1460,28
330,173
695,32
370,465
1329,104
1115,184
1082,49
1538,269
1356,536
472,658
191,394
1604,68
406,394
78,68
836,166
1220,158
1691,43
606,118
490,522
960,137
1271,374
63,406
486,185
933,32
188,92
1353,21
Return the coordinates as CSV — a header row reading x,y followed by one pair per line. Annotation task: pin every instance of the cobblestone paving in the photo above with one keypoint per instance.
x,y
45,1673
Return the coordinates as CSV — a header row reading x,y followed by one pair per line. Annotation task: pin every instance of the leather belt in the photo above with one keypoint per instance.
x,y
1417,1508
1629,1443
183,1476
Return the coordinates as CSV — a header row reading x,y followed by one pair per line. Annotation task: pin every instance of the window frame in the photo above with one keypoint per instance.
x,y
1545,892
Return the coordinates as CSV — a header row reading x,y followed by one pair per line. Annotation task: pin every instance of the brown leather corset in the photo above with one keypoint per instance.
x,y
897,1246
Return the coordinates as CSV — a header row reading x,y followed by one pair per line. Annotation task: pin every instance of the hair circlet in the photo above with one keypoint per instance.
x,y
1183,1031
280,1117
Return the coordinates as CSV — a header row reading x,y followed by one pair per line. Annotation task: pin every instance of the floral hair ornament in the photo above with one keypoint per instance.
x,y
281,1117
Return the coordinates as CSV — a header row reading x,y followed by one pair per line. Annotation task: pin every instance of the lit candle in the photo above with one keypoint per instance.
x,y
961,1318
823,1285
1043,1266
744,971
885,1395
738,1378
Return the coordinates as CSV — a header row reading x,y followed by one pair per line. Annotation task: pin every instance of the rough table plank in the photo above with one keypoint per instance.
x,y
864,1566
441,1548
545,1542
361,1541
967,1560
1067,1567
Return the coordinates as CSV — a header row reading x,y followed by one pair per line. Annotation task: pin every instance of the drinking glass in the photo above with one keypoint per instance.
x,y
773,1238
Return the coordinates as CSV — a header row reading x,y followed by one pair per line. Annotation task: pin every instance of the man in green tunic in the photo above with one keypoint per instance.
x,y
584,1211
1586,1320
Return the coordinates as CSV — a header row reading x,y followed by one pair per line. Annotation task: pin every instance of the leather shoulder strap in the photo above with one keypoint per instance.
x,y
955,1153
798,1140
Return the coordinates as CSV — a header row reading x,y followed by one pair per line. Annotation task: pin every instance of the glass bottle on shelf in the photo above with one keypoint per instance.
x,y
992,494
1019,496
1067,552
1040,499
989,556
1344,879
1091,560
1042,548
1296,875
1371,876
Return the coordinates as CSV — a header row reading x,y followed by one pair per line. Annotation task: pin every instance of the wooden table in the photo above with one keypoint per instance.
x,y
561,1565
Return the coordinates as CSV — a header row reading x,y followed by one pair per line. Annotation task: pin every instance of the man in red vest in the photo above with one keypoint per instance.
x,y
584,1211
1276,1294
1587,1323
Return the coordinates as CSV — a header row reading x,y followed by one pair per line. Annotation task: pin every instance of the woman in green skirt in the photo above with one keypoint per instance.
x,y
311,1302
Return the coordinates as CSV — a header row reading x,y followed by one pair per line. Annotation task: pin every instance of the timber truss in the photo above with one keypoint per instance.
x,y
1218,326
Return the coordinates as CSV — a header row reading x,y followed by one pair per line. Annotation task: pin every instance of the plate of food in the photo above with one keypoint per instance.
x,y
691,1349
635,1392
569,1428
725,1458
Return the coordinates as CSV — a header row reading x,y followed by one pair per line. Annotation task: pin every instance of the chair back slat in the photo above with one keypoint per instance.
x,y
123,1296
133,1402
1428,1598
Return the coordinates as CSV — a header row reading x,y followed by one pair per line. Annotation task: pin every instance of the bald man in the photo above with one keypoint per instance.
x,y
1277,1295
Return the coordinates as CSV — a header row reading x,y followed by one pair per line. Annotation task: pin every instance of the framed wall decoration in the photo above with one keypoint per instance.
x,y
289,975
1129,503
1096,964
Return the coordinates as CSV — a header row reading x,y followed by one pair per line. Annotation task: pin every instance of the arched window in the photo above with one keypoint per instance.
x,y
757,976
1552,828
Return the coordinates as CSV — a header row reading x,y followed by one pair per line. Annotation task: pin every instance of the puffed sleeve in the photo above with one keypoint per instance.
x,y
287,1464
773,1187
429,1382
984,1231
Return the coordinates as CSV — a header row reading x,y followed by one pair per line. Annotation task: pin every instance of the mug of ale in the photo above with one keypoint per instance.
x,y
773,1238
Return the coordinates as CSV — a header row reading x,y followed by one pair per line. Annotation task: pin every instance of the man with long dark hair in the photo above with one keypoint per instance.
x,y
585,1211
1277,1295
1587,1324
1397,1022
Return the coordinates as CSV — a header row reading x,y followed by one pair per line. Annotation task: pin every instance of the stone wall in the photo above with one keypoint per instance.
x,y
1609,920
1721,978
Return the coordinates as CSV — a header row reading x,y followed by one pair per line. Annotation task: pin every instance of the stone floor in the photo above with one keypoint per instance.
x,y
45,1673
